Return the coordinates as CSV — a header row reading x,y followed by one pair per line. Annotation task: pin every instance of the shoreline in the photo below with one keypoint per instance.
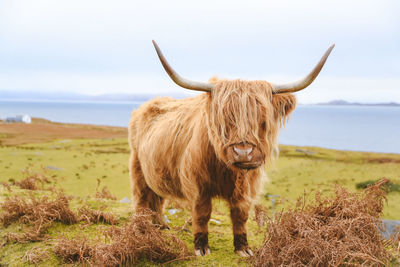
x,y
21,133
42,130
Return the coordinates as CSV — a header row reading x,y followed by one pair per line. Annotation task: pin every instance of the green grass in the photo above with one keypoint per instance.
x,y
77,164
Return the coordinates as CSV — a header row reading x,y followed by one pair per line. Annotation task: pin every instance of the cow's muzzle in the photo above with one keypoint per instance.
x,y
245,156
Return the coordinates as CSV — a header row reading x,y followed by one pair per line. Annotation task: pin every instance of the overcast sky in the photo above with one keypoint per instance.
x,y
98,47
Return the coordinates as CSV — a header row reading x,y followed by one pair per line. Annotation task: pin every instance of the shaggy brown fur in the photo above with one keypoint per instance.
x,y
183,149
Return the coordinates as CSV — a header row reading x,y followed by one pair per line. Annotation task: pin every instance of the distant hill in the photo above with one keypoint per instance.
x,y
65,96
345,103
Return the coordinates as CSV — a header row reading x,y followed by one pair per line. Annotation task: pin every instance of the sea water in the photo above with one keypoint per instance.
x,y
360,128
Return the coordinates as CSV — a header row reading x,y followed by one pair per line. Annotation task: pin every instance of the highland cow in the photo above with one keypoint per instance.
x,y
215,144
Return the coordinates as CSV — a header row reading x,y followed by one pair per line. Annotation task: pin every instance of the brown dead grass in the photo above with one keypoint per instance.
x,y
36,180
7,186
40,212
396,240
260,215
104,193
74,250
36,212
336,231
32,181
383,160
28,183
96,216
36,233
125,246
36,254
41,130
139,239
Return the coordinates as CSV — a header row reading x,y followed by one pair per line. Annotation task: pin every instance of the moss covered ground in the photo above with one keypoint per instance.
x,y
78,165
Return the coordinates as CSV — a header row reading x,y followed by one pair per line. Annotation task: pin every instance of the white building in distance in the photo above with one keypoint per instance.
x,y
20,118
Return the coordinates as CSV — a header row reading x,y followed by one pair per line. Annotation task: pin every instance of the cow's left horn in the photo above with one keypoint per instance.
x,y
303,83
179,80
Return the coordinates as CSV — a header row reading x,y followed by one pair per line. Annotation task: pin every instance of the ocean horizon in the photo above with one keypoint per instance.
x,y
355,128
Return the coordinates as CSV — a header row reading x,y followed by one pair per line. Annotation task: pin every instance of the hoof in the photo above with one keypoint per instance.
x,y
201,247
202,252
246,252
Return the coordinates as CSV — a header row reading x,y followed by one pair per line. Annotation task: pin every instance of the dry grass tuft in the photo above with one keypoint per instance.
x,y
139,239
7,186
104,193
398,236
260,214
38,213
73,250
36,254
383,160
36,210
35,180
35,234
396,239
336,231
96,216
29,183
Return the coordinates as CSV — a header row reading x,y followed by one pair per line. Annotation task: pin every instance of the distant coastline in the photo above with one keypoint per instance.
x,y
345,103
65,96
136,98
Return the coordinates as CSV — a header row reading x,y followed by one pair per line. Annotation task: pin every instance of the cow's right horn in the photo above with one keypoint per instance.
x,y
306,81
179,80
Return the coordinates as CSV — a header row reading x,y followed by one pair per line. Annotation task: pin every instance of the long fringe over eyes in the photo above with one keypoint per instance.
x,y
242,111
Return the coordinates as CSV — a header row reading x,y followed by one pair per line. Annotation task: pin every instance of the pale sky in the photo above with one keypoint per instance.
x,y
104,47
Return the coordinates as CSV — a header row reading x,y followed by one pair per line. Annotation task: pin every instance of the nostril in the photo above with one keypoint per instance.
x,y
243,152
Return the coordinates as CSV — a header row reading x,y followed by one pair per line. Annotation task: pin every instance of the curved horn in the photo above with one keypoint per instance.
x,y
179,80
303,83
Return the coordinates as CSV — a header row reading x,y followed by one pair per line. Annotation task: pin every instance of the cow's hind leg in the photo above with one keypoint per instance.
x,y
201,215
148,200
239,216
143,197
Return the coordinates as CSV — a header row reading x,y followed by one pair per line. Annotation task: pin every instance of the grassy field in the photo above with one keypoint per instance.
x,y
78,163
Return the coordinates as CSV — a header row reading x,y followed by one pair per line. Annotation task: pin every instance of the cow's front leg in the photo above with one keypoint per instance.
x,y
201,215
239,216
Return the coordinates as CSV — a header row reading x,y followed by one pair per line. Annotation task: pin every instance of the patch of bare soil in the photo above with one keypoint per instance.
x,y
41,130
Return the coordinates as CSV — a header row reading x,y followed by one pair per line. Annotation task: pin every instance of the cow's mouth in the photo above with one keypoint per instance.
x,y
247,165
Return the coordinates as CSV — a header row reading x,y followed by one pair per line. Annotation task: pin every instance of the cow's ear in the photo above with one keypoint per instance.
x,y
283,104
